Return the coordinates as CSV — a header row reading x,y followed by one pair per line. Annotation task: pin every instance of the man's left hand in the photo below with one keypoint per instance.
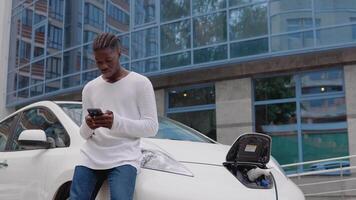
x,y
106,120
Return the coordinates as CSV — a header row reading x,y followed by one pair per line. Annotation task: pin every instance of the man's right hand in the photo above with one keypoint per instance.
x,y
91,122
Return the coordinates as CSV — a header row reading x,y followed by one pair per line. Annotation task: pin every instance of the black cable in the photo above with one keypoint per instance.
x,y
275,185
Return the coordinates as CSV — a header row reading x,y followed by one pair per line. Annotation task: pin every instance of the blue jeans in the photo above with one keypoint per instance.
x,y
87,182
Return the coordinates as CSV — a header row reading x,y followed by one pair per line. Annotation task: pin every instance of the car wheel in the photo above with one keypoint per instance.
x,y
63,192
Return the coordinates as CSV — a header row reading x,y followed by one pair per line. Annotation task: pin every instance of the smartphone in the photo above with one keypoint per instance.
x,y
93,112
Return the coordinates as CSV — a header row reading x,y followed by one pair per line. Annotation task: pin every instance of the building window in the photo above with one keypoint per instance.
x,y
195,107
54,67
304,113
118,15
54,37
144,11
56,9
353,20
94,16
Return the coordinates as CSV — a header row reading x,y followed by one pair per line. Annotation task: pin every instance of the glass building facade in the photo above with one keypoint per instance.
x,y
305,112
51,39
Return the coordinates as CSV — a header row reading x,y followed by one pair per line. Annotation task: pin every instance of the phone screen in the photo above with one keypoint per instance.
x,y
94,112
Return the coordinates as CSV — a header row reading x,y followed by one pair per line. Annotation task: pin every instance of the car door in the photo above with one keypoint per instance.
x,y
5,133
27,167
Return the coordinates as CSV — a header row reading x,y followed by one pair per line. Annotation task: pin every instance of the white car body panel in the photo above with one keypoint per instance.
x,y
38,174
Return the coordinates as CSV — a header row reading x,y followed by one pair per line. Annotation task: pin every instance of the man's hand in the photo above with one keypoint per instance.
x,y
105,120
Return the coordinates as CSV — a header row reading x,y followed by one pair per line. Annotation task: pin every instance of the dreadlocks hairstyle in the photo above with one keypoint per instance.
x,y
105,40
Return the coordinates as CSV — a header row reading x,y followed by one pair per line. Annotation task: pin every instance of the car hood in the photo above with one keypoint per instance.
x,y
186,151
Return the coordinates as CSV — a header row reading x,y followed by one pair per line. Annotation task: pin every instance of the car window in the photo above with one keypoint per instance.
x,y
43,119
168,129
5,130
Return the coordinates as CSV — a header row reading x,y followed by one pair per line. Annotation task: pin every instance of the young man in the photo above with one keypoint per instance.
x,y
112,148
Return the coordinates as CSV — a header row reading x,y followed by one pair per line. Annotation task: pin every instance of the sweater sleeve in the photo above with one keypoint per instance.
x,y
147,125
85,131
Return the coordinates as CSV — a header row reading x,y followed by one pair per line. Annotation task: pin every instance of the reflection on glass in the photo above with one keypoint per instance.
x,y
144,43
210,54
324,128
71,81
301,20
55,26
203,6
26,35
323,144
331,12
242,2
124,47
71,61
54,67
247,22
174,9
88,76
117,18
73,23
88,57
144,66
175,60
316,112
36,90
191,97
54,39
37,72
40,119
248,48
11,82
23,94
292,41
126,66
89,36
24,77
290,15
273,117
210,29
53,86
345,34
10,98
56,10
145,11
322,82
25,52
202,121
280,122
40,11
175,36
280,87
15,38
93,16
39,42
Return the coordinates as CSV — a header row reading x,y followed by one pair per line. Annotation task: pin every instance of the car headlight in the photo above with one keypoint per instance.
x,y
157,160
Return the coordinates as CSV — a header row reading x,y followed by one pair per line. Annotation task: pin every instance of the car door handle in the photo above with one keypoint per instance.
x,y
3,164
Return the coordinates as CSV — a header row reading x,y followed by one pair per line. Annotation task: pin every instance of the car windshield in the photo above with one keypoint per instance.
x,y
168,129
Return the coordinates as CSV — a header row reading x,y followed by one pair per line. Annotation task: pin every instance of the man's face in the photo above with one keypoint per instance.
x,y
107,60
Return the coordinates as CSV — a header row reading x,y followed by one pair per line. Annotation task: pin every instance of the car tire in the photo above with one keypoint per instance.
x,y
63,192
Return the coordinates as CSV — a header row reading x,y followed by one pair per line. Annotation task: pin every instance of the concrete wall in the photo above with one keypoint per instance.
x,y
350,90
233,109
5,21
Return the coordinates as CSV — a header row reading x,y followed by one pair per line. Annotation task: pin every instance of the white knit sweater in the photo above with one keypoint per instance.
x,y
132,101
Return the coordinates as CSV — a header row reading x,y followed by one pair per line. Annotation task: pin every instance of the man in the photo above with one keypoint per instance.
x,y
112,148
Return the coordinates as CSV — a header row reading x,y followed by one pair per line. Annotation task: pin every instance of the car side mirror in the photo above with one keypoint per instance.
x,y
34,139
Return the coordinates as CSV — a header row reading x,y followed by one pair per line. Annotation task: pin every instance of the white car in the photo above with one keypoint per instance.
x,y
39,147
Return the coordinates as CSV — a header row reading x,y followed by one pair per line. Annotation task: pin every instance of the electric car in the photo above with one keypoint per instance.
x,y
40,144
